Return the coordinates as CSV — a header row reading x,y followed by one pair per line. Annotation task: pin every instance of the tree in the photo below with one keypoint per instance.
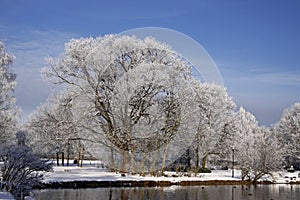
x,y
52,125
129,90
256,148
159,95
8,109
288,133
245,127
215,111
20,171
269,154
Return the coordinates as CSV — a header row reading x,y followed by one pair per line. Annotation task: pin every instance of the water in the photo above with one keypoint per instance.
x,y
222,192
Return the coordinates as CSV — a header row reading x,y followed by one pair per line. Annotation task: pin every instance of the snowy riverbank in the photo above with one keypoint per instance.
x,y
6,196
94,176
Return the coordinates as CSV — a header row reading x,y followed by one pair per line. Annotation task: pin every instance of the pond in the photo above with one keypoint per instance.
x,y
206,192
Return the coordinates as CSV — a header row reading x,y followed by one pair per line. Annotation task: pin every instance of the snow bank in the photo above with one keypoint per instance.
x,y
64,174
94,173
6,196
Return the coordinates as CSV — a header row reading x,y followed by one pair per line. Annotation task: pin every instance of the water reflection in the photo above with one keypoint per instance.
x,y
224,192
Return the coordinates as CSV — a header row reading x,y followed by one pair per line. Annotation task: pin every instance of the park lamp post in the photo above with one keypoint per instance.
x,y
232,161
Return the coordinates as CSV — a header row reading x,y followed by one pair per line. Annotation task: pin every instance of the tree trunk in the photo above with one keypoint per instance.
x,y
141,167
164,160
197,160
188,159
62,158
152,167
113,167
57,159
204,162
132,162
125,161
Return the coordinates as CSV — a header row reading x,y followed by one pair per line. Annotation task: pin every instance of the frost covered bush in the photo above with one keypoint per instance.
x,y
21,170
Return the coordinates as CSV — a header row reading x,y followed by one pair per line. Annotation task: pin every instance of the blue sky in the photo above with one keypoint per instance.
x,y
254,43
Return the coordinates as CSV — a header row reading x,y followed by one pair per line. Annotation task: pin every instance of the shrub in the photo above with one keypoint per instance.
x,y
21,170
204,170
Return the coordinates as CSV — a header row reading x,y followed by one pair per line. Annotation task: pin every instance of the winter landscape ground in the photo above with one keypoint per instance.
x,y
93,172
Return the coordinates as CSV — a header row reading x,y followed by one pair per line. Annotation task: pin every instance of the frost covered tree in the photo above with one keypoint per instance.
x,y
52,125
268,154
131,93
8,109
163,98
245,128
215,111
21,168
256,148
288,133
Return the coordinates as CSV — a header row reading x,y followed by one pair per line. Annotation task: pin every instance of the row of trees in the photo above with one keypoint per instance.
x,y
20,167
137,101
135,105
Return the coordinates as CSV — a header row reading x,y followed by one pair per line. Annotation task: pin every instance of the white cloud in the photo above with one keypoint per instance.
x,y
262,75
264,91
280,78
30,48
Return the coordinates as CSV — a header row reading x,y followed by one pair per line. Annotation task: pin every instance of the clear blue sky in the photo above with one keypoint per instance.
x,y
255,43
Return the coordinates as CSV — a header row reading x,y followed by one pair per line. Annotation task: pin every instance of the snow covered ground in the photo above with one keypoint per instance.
x,y
94,172
63,174
6,196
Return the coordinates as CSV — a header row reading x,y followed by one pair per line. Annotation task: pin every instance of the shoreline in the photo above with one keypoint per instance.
x,y
94,177
149,183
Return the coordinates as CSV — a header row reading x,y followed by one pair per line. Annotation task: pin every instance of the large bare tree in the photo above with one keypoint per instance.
x,y
135,95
